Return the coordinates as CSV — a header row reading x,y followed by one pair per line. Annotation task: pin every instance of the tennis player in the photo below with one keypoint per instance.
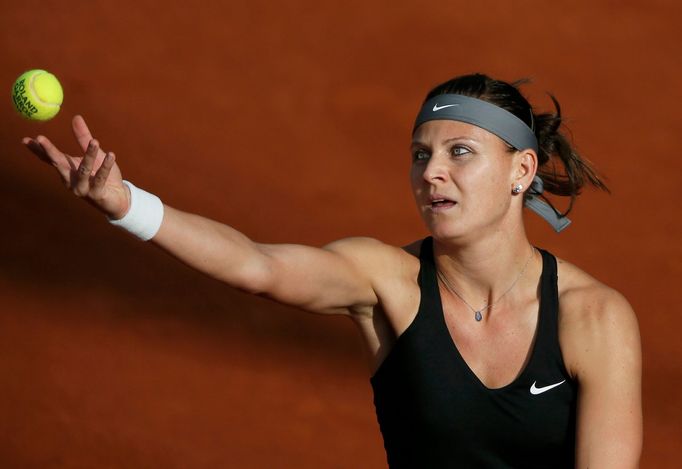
x,y
486,351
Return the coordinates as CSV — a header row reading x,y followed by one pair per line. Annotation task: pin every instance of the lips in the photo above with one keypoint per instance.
x,y
438,201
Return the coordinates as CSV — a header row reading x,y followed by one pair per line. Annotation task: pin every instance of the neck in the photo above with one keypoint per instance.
x,y
483,270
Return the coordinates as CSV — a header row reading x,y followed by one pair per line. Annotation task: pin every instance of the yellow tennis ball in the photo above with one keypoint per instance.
x,y
37,95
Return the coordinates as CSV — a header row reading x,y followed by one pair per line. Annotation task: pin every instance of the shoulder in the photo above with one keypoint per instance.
x,y
360,247
375,257
597,324
392,272
586,301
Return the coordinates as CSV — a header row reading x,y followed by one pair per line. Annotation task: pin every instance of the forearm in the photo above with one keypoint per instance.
x,y
212,248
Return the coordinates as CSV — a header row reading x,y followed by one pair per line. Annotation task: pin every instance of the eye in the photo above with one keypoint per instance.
x,y
459,150
420,154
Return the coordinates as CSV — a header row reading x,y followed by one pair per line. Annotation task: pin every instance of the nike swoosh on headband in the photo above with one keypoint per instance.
x,y
480,113
534,390
436,107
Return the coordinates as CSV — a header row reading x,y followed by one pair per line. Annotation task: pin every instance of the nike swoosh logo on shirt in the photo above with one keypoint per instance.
x,y
436,107
534,390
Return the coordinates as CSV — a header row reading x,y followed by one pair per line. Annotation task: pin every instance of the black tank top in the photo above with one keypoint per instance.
x,y
434,412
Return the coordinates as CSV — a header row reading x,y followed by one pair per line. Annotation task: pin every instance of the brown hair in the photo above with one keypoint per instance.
x,y
554,147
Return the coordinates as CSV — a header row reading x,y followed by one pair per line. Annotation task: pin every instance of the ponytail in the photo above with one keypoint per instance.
x,y
556,150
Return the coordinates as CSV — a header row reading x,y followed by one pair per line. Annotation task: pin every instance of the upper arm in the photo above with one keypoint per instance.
x,y
604,352
341,277
338,278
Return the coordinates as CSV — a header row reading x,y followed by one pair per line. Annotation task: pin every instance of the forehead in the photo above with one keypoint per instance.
x,y
437,131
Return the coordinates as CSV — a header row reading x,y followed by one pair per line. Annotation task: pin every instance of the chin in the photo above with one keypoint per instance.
x,y
446,231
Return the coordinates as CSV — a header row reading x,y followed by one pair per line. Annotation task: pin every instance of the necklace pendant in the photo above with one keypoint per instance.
x,y
479,316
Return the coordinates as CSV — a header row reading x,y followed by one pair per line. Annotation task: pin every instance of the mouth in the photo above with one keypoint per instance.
x,y
439,203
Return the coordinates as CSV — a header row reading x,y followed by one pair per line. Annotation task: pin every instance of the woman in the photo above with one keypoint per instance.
x,y
484,350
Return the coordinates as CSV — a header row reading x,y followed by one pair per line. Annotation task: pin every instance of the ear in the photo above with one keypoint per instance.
x,y
525,164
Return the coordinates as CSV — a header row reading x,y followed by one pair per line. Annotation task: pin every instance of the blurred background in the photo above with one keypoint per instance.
x,y
291,121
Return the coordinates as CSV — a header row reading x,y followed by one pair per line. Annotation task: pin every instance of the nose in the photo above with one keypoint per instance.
x,y
435,170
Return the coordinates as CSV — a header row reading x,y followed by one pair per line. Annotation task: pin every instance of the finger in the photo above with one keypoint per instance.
x,y
82,185
102,173
58,159
81,132
35,148
83,135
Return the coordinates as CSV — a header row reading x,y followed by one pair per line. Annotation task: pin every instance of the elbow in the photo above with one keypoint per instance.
x,y
256,280
254,277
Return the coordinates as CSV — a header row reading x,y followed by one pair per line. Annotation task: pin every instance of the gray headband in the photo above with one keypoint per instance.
x,y
482,114
502,123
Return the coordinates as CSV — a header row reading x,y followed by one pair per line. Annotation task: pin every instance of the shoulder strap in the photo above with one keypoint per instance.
x,y
428,283
426,249
548,327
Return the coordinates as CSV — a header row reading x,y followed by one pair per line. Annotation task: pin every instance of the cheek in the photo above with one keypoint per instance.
x,y
498,194
495,183
486,186
416,180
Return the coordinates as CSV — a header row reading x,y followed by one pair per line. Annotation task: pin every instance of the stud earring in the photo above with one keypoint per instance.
x,y
517,189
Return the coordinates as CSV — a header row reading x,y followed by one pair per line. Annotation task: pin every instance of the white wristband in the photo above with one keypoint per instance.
x,y
144,216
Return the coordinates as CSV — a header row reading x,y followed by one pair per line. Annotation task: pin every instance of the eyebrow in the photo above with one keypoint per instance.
x,y
448,140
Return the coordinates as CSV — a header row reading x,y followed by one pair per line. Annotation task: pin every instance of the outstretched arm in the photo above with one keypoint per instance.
x,y
333,279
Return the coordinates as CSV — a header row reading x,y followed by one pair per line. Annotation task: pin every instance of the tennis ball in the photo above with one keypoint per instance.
x,y
37,95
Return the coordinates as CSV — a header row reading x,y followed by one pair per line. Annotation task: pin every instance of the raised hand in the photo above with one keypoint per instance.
x,y
95,177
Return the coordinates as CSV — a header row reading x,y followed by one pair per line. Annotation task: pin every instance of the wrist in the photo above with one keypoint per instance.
x,y
144,216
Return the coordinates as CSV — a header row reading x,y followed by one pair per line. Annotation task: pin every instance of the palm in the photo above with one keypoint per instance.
x,y
93,177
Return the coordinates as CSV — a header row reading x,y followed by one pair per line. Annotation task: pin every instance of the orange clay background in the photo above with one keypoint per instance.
x,y
291,122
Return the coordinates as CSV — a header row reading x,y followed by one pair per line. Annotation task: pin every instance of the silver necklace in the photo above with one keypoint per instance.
x,y
478,312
